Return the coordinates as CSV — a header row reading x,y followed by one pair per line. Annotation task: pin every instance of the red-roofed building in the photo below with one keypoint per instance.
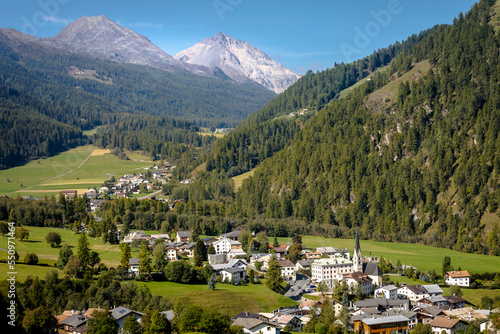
x,y
461,278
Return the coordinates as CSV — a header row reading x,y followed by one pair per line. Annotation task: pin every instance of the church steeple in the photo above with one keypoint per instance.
x,y
356,257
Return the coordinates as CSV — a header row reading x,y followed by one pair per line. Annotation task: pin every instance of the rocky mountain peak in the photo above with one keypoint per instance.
x,y
100,37
240,61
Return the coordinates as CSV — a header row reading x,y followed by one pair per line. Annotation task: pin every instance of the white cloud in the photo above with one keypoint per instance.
x,y
56,20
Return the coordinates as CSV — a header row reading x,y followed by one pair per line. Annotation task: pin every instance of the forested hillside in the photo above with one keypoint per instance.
x,y
265,132
412,155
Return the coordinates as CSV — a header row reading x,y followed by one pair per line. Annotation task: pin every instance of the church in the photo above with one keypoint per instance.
x,y
334,269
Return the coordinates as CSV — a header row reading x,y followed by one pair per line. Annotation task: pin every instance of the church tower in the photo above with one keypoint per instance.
x,y
356,257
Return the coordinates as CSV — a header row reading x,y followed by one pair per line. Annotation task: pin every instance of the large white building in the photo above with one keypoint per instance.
x,y
330,270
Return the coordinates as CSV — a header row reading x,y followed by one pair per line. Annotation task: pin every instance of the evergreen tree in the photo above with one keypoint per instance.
x,y
200,253
83,252
64,254
273,276
126,254
102,322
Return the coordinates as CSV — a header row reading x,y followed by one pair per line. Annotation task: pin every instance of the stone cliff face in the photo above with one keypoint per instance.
x,y
240,61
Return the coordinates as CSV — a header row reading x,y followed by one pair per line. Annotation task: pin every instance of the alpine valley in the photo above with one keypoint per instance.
x,y
402,145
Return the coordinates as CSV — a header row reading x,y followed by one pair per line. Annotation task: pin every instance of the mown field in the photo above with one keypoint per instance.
x,y
238,179
74,169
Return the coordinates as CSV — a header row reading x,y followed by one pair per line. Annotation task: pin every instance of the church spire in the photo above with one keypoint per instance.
x,y
357,259
357,249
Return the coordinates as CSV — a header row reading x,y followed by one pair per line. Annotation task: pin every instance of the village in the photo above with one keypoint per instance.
x,y
315,281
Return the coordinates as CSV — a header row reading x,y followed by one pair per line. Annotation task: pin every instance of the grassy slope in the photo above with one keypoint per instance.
x,y
420,256
92,173
226,298
238,179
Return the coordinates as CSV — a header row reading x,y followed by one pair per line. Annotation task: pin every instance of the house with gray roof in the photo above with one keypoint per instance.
x,y
256,326
121,313
75,323
183,236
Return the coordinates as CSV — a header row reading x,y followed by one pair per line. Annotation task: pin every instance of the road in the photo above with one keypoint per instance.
x,y
295,291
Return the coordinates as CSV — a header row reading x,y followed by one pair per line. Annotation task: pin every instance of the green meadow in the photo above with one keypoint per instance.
x,y
74,169
420,256
226,298
109,254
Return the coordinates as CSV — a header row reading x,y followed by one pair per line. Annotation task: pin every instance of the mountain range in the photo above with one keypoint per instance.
x,y
219,56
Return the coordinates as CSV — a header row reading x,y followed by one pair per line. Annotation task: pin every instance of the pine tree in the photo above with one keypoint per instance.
x,y
273,276
83,252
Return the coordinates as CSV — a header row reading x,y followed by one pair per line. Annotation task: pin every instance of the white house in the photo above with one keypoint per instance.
x,y
172,254
461,278
182,236
121,313
134,265
224,245
288,271
447,325
236,273
387,292
256,326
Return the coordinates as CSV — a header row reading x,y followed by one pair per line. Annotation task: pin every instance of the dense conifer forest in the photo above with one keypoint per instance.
x,y
420,166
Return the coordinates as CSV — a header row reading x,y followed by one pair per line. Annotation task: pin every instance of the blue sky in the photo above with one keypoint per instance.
x,y
300,34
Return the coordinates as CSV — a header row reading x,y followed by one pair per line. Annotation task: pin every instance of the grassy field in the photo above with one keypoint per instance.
x,y
473,296
420,256
109,254
238,180
226,298
68,170
346,91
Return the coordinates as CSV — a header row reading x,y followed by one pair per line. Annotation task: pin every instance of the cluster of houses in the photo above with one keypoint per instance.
x,y
76,322
298,113
392,310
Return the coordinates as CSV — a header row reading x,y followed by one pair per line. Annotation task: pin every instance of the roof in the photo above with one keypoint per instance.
x,y
233,234
359,277
458,274
437,299
433,288
283,319
453,299
306,263
74,320
250,323
433,310
120,312
91,310
444,322
246,315
233,270
280,249
331,261
385,320
416,288
388,288
285,263
184,234
372,268
133,261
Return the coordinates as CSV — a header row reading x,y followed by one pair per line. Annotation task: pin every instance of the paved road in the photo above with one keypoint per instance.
x,y
295,291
